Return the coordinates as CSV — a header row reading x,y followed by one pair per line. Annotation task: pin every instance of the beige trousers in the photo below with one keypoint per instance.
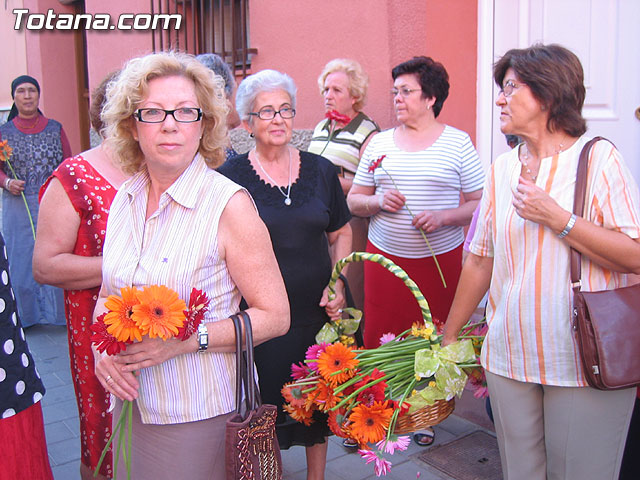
x,y
549,432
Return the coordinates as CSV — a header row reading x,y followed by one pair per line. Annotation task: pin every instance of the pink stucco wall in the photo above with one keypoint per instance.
x,y
51,60
295,36
300,37
452,36
109,50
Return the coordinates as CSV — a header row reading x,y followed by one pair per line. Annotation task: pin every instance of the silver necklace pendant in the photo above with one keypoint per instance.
x,y
287,199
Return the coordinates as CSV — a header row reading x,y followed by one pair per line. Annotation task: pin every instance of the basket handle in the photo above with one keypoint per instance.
x,y
389,265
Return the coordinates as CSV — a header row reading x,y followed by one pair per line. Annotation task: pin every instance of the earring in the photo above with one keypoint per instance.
x,y
428,107
252,135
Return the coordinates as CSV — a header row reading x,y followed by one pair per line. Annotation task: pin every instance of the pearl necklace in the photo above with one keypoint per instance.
x,y
287,196
525,160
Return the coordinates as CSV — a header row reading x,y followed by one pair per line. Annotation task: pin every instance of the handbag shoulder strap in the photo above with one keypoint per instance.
x,y
252,390
245,379
578,207
237,325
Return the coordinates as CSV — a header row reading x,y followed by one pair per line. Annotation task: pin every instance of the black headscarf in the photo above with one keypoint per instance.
x,y
15,84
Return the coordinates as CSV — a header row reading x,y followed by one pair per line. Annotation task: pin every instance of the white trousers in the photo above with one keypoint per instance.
x,y
569,433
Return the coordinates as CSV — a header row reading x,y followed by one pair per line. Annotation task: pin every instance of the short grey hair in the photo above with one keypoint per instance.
x,y
263,81
220,67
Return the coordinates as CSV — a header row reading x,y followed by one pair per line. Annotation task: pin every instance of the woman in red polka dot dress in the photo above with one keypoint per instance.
x,y
74,205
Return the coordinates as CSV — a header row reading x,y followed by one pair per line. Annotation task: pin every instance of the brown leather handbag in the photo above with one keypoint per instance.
x,y
606,323
251,446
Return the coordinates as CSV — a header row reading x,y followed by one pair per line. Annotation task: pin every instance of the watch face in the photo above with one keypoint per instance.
x,y
203,337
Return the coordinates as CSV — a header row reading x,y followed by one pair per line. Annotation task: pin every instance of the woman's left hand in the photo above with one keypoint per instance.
x,y
533,203
149,352
333,307
429,220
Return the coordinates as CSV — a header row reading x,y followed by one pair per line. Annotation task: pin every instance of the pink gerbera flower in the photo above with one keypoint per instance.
x,y
394,443
382,466
299,371
387,337
313,352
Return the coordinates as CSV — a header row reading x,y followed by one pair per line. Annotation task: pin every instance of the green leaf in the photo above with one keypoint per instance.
x,y
328,333
350,325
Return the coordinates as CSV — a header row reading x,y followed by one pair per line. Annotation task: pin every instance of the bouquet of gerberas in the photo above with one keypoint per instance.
x,y
370,394
155,311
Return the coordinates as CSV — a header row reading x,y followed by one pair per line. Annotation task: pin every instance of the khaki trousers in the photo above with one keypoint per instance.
x,y
549,432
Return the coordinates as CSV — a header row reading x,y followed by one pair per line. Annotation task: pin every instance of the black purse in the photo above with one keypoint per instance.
x,y
251,446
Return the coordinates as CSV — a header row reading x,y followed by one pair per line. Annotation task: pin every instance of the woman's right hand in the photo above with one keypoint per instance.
x,y
15,187
123,385
392,201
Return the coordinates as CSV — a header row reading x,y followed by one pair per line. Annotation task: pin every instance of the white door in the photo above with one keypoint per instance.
x,y
605,34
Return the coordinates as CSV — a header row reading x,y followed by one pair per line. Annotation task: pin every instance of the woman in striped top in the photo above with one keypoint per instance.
x,y
343,84
177,222
425,167
550,423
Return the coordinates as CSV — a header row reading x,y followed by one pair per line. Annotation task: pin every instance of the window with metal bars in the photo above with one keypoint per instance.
x,y
208,26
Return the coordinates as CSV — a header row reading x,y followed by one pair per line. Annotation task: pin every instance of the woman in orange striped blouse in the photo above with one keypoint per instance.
x,y
550,423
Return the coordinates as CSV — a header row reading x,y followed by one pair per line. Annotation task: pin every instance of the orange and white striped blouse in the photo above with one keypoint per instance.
x,y
177,246
529,308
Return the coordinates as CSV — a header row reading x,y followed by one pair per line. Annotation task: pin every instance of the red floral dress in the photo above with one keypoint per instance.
x,y
91,196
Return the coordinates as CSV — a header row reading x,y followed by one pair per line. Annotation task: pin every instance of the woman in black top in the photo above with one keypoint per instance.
x,y
298,196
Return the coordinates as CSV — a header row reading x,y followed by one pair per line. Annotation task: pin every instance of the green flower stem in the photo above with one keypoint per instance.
x,y
127,458
116,429
24,199
421,231
392,423
120,441
331,129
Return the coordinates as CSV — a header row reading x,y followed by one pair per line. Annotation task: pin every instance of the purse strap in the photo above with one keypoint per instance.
x,y
245,379
578,208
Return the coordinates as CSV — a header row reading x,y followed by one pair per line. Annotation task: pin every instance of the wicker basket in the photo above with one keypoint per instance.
x,y
431,414
425,417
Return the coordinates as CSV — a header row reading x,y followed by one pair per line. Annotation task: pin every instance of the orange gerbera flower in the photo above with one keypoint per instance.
x,y
337,364
5,150
369,423
292,394
160,312
301,415
324,396
336,422
118,319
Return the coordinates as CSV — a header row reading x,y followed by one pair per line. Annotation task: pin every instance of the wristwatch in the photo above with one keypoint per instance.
x,y
203,338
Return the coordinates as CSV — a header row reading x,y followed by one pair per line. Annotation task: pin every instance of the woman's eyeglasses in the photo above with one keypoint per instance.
x,y
404,91
158,115
509,87
268,113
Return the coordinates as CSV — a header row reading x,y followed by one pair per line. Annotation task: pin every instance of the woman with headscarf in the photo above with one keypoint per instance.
x,y
39,145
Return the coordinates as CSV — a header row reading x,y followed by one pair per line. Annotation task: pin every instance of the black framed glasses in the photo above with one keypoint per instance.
x,y
269,113
509,87
404,91
158,115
